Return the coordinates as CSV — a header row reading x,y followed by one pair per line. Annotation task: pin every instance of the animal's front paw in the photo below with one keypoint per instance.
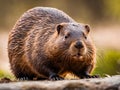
x,y
55,77
90,76
94,76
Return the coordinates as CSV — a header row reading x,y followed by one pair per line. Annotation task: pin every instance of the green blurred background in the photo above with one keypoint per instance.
x,y
102,15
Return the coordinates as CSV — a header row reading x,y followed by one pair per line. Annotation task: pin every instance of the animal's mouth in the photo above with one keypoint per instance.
x,y
78,55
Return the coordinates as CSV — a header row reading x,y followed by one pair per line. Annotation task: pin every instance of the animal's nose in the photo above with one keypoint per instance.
x,y
79,45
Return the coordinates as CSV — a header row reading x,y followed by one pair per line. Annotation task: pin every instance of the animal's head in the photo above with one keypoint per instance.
x,y
71,39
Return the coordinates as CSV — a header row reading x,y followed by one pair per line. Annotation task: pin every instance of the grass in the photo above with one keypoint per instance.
x,y
5,74
108,63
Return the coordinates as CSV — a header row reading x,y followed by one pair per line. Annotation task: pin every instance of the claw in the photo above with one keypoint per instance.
x,y
55,77
97,76
93,76
90,76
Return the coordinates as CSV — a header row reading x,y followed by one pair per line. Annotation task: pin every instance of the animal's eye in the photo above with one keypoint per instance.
x,y
66,36
84,36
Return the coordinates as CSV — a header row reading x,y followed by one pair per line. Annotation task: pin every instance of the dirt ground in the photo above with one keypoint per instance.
x,y
104,37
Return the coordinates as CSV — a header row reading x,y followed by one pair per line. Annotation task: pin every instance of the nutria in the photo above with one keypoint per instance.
x,y
46,43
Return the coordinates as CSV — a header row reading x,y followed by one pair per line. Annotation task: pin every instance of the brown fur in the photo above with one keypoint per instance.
x,y
37,48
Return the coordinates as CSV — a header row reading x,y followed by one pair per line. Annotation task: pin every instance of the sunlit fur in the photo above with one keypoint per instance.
x,y
62,54
36,49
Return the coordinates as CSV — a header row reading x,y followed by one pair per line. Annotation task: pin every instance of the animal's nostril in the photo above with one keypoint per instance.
x,y
79,45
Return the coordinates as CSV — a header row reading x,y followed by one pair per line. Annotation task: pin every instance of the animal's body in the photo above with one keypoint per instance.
x,y
46,43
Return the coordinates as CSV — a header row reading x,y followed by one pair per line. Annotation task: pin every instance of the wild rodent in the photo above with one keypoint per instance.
x,y
45,43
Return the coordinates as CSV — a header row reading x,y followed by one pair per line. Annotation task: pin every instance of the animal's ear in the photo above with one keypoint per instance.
x,y
59,28
87,29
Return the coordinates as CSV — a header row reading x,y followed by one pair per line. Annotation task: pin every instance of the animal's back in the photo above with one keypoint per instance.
x,y
22,38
